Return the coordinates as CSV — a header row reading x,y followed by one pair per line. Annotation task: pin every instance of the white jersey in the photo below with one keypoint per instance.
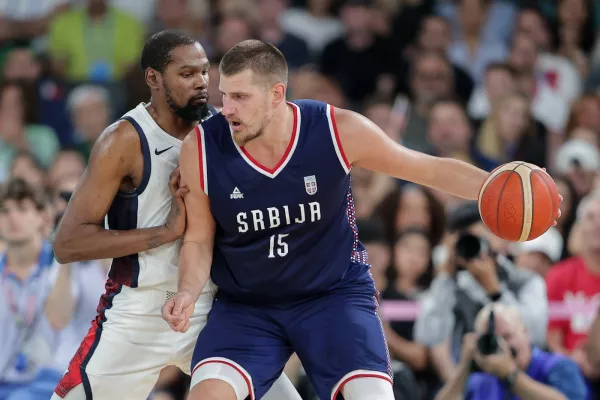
x,y
148,206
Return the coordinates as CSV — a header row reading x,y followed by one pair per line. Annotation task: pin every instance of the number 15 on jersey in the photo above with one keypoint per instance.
x,y
278,245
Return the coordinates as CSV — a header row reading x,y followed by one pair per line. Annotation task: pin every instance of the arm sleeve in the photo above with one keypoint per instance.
x,y
436,318
566,377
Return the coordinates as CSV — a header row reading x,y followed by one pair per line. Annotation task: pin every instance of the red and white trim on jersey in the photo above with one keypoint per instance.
x,y
335,136
202,159
289,152
337,389
229,363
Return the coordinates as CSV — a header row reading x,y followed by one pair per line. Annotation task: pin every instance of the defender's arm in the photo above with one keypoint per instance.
x,y
81,235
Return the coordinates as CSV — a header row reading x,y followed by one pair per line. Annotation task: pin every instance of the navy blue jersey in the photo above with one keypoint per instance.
x,y
289,232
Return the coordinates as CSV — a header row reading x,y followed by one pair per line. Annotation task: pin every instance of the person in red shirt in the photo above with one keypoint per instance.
x,y
575,283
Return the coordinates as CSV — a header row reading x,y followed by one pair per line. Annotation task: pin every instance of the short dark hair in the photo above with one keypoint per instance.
x,y
157,50
501,66
463,216
18,190
260,57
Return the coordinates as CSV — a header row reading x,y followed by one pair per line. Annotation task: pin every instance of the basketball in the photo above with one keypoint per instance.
x,y
518,201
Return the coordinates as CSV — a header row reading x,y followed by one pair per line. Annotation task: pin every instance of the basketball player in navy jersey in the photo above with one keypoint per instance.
x,y
132,179
270,208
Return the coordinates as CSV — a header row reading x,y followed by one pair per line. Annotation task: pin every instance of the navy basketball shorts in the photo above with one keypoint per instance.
x,y
337,336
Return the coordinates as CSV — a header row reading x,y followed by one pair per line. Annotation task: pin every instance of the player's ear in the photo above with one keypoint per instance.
x,y
278,93
152,78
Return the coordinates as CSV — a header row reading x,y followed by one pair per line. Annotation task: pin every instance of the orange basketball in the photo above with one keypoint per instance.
x,y
518,201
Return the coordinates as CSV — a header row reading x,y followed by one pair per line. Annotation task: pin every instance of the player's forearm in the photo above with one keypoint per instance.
x,y
194,267
457,178
92,242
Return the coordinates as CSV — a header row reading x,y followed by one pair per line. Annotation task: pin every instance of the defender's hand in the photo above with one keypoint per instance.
x,y
178,310
176,219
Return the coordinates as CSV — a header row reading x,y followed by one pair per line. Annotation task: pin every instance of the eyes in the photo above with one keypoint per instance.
x,y
189,74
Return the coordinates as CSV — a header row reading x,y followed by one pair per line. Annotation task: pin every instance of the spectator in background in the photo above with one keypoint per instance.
x,y
23,65
292,47
98,42
411,275
568,209
540,254
585,113
369,189
91,114
28,337
451,134
516,369
576,32
18,131
372,236
462,287
559,72
472,50
497,24
576,283
68,164
234,27
26,167
547,106
412,206
430,78
360,53
577,160
435,36
510,133
30,19
315,24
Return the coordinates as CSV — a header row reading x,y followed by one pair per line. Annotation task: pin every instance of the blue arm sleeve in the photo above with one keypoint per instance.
x,y
566,377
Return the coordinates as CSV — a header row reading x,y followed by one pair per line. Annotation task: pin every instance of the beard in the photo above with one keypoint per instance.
x,y
241,138
189,112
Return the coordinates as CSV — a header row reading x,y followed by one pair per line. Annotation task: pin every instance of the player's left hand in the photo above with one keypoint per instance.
x,y
178,310
559,212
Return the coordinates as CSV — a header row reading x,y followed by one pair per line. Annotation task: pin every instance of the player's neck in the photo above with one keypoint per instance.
x,y
168,121
279,130
21,258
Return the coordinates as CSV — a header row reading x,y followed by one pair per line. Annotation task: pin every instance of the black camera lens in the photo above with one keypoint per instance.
x,y
468,246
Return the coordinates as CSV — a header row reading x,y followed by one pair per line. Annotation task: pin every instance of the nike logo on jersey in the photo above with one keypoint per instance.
x,y
236,194
158,153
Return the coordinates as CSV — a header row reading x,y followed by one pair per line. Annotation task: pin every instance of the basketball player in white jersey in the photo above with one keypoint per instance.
x,y
128,207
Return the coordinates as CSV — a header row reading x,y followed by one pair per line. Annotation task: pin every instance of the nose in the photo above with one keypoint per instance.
x,y
202,82
228,109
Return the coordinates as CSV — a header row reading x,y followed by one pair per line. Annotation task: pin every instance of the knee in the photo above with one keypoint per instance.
x,y
215,379
368,388
212,389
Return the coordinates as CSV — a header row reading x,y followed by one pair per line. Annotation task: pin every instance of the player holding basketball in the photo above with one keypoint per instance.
x,y
130,180
273,178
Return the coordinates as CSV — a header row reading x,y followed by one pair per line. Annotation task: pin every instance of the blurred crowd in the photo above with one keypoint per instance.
x,y
484,81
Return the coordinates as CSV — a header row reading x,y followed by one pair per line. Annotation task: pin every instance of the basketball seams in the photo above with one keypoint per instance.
x,y
500,199
493,175
527,223
542,178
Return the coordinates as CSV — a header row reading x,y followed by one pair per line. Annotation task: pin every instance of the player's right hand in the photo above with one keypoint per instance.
x,y
178,310
176,218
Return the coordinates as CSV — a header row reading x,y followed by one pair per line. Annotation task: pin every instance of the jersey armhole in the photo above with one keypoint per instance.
x,y
335,137
202,159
